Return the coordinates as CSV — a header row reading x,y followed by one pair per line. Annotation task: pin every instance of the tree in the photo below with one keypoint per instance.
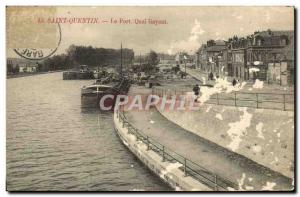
x,y
153,58
210,43
16,69
95,57
71,51
9,68
39,67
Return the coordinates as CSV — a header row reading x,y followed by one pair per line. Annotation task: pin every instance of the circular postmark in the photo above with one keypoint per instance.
x,y
39,53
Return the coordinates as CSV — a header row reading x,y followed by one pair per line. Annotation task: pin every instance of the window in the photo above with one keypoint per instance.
x,y
259,42
283,41
240,72
259,57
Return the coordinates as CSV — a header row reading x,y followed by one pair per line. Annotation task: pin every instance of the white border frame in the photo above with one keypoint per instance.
x,y
5,3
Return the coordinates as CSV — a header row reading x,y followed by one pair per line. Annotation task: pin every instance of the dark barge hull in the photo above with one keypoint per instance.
x,y
93,99
73,75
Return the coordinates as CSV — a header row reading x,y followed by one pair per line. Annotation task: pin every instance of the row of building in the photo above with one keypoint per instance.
x,y
18,65
266,55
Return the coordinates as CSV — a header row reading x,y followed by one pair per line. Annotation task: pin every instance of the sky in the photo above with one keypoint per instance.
x,y
186,29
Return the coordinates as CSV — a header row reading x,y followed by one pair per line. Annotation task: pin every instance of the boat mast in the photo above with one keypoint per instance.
x,y
121,61
140,62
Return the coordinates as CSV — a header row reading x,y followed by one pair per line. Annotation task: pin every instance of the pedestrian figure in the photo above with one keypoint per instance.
x,y
234,82
196,90
211,76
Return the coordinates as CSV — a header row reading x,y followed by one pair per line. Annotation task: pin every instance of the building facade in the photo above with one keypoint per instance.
x,y
182,58
266,55
28,68
201,57
209,57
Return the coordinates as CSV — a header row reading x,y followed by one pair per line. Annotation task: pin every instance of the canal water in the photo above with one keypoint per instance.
x,y
54,144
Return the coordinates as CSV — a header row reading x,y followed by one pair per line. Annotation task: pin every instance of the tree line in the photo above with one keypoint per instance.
x,y
91,56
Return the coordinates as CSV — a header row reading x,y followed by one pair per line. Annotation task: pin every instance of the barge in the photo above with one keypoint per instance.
x,y
82,73
111,86
91,95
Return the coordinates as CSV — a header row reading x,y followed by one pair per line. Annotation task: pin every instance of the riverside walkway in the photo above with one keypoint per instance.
x,y
267,88
240,170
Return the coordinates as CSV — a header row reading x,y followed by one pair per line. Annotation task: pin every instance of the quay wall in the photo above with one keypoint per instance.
x,y
262,135
167,171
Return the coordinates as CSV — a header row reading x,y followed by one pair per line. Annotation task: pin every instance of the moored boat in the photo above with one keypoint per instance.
x,y
111,85
92,94
82,73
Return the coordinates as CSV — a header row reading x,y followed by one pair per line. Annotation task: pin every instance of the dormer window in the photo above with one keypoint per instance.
x,y
283,41
259,42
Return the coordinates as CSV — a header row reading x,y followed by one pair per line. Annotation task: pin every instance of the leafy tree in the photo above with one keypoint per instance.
x,y
9,68
95,57
16,69
153,58
210,43
150,62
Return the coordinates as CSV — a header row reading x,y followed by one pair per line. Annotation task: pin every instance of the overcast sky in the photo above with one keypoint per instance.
x,y
187,28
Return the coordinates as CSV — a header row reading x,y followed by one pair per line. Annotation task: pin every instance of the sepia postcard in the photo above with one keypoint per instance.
x,y
150,98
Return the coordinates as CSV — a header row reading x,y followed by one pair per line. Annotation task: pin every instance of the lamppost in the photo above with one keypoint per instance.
x,y
185,66
218,64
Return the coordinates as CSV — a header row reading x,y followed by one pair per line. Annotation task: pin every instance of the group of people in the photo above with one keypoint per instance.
x,y
211,77
196,88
